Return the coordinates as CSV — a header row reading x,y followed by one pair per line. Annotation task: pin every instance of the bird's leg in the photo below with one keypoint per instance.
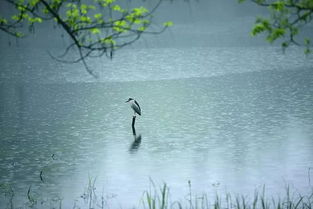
x,y
133,125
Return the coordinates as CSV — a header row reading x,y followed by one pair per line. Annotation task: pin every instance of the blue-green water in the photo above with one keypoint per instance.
x,y
234,117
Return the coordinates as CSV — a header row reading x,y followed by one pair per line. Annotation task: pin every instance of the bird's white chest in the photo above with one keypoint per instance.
x,y
133,105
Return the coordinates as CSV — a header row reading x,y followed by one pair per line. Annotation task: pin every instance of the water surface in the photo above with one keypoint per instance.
x,y
209,115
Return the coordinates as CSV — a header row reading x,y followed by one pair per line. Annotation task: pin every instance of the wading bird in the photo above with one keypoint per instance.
x,y
135,106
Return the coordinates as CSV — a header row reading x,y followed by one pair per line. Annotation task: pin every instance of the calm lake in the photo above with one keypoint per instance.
x,y
227,119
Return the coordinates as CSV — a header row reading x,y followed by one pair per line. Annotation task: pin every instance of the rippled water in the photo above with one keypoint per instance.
x,y
149,64
237,117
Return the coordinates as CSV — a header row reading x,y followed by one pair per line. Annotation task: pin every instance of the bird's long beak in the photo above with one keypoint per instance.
x,y
126,101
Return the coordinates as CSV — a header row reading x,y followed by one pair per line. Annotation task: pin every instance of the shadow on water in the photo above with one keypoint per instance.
x,y
137,138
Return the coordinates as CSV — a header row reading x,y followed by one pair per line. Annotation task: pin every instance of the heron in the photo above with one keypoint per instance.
x,y
135,106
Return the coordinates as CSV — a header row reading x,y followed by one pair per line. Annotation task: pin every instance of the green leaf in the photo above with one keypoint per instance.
x,y
278,5
117,8
98,15
45,10
258,28
146,22
108,41
95,31
307,41
33,2
118,29
108,2
307,51
83,8
140,11
120,26
294,31
21,8
3,21
15,17
120,23
25,15
35,19
261,26
276,33
142,28
85,19
285,44
56,1
168,24
137,21
19,34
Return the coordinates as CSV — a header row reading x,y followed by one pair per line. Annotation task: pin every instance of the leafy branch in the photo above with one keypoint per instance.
x,y
96,28
287,18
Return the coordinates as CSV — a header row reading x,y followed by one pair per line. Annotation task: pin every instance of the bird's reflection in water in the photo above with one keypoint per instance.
x,y
137,141
136,144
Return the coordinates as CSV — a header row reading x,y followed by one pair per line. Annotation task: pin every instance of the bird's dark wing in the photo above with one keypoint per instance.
x,y
138,107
